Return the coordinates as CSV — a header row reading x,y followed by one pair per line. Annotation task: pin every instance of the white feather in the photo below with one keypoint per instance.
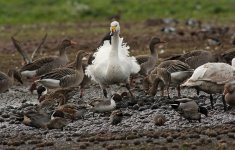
x,y
106,69
28,74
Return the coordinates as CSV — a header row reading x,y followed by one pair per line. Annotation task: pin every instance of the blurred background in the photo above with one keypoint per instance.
x,y
52,11
185,24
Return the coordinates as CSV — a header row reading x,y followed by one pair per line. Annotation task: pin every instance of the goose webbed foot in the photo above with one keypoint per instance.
x,y
198,92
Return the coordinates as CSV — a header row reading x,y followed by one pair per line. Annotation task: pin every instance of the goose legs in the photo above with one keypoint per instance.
x,y
129,89
225,105
212,103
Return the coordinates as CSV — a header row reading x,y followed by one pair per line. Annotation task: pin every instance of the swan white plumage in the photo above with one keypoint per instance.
x,y
112,63
211,78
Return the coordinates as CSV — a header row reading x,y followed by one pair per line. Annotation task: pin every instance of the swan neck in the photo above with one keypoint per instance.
x,y
115,43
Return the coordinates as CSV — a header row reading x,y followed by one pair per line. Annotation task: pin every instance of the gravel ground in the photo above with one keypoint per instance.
x,y
137,129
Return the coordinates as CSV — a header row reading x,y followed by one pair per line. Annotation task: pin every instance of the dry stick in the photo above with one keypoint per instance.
x,y
39,47
19,49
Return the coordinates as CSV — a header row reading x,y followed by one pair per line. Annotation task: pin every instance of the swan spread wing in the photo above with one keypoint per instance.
x,y
98,69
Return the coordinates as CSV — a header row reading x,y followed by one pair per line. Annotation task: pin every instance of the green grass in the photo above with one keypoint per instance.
x,y
50,11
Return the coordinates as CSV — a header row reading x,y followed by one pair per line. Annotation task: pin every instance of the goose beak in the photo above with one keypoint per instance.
x,y
225,91
113,29
73,42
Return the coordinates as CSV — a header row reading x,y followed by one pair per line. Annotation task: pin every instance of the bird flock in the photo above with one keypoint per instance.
x,y
54,79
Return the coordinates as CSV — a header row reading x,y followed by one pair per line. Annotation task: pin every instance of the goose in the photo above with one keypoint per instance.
x,y
102,106
112,63
195,58
229,93
168,73
86,79
146,62
6,80
211,78
64,77
189,109
44,65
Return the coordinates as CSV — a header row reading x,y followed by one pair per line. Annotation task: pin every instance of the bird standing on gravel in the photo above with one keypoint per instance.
x,y
211,78
189,109
64,77
112,63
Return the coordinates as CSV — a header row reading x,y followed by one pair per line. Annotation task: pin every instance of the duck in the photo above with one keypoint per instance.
x,y
116,117
112,63
44,65
71,111
43,93
6,80
102,106
148,62
37,119
229,93
168,73
58,121
64,77
211,78
189,109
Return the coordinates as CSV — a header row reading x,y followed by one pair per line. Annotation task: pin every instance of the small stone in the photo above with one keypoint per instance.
x,y
5,115
197,136
136,107
231,135
169,139
137,142
82,146
68,139
155,106
143,108
1,119
159,119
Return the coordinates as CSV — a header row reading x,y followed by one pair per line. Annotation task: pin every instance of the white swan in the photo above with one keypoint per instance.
x,y
112,63
211,78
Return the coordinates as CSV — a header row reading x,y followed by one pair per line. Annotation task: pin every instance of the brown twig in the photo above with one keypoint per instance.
x,y
19,49
39,47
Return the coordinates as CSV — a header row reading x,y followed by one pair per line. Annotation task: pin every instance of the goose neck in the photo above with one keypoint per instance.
x,y
153,50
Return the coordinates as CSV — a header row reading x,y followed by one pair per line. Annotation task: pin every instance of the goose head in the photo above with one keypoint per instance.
x,y
13,74
65,44
114,28
79,57
153,42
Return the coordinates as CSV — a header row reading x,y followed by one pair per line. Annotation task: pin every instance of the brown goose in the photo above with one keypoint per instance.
x,y
47,64
196,58
86,80
148,62
64,77
168,73
6,80
229,93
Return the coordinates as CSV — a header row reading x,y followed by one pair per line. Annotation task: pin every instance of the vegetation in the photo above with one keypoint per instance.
x,y
49,11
